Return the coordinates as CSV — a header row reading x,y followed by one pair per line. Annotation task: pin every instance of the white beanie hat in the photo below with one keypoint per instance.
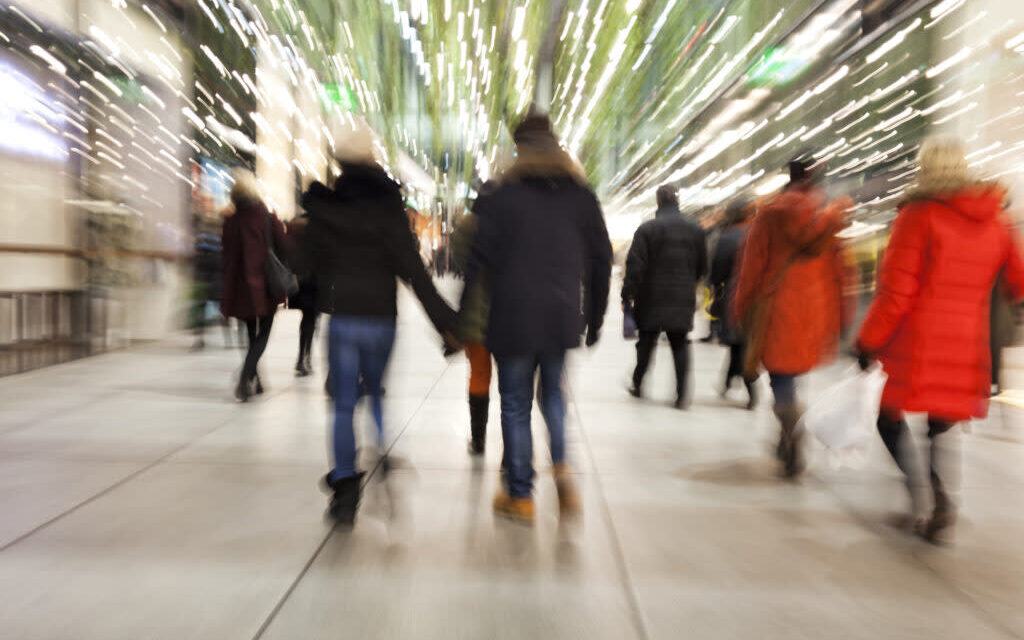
x,y
943,162
357,146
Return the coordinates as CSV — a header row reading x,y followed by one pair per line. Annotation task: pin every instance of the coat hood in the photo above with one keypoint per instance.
x,y
668,210
549,162
799,217
250,209
977,201
359,183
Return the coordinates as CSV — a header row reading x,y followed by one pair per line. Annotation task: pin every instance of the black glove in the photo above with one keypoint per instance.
x,y
451,344
593,335
864,360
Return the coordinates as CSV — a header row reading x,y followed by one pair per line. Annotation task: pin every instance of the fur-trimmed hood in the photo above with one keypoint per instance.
x,y
978,200
549,163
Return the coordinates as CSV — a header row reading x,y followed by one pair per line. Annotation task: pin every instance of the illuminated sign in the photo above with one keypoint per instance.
x,y
337,96
778,66
30,121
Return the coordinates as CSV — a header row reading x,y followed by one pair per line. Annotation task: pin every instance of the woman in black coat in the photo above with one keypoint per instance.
x,y
305,301
724,263
357,245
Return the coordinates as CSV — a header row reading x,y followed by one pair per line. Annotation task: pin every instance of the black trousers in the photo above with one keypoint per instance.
x,y
307,328
680,353
735,370
259,335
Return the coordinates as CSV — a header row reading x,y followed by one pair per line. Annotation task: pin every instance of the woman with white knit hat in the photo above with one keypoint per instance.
x,y
929,322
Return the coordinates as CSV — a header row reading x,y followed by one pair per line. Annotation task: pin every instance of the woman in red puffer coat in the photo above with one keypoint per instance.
x,y
929,323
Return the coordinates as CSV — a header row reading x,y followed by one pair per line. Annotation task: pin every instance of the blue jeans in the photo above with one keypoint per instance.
x,y
515,382
358,346
783,389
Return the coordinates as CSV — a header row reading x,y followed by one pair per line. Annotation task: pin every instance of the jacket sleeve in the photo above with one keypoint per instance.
x,y
410,269
720,262
846,283
702,256
599,269
636,265
753,261
485,249
899,281
1013,268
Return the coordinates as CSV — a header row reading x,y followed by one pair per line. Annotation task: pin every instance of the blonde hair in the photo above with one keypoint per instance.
x,y
246,188
943,162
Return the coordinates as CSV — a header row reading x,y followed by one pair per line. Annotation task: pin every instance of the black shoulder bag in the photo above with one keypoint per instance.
x,y
281,282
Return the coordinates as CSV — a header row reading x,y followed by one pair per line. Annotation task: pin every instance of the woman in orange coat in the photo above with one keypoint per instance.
x,y
929,323
793,269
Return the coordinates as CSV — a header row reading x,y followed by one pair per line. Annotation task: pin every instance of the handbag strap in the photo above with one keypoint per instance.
x,y
270,233
777,282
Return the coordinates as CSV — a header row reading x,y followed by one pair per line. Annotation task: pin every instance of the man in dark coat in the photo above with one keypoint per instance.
x,y
667,259
544,246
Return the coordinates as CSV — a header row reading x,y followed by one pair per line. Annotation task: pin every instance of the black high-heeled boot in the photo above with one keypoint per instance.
x,y
478,408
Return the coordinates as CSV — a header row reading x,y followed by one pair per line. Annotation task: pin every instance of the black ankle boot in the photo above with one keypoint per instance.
x,y
345,500
790,451
478,408
751,393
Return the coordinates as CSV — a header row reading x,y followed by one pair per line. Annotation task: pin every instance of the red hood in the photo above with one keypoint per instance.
x,y
798,215
981,203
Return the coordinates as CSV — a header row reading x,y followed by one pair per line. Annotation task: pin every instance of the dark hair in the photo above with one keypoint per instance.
x,y
667,195
736,211
533,126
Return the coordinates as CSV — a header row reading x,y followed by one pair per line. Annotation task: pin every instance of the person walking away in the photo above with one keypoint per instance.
x,y
1001,328
929,322
543,244
244,294
724,270
208,277
357,243
790,296
305,301
473,329
667,259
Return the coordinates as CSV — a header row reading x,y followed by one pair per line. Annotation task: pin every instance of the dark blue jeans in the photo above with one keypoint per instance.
x,y
783,389
515,382
358,346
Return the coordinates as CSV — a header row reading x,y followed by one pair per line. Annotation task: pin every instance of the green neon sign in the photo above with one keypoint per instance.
x,y
339,97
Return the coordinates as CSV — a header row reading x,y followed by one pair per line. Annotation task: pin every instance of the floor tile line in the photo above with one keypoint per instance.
x,y
31,422
119,483
323,543
639,623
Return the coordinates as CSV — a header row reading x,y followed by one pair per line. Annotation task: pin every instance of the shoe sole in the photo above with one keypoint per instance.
x,y
514,517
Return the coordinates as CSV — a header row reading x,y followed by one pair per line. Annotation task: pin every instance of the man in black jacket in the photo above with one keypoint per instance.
x,y
541,240
667,259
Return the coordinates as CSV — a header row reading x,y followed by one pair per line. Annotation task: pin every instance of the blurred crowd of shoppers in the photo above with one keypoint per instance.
x,y
537,258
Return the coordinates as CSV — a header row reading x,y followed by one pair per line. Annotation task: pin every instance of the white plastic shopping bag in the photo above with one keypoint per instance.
x,y
843,417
